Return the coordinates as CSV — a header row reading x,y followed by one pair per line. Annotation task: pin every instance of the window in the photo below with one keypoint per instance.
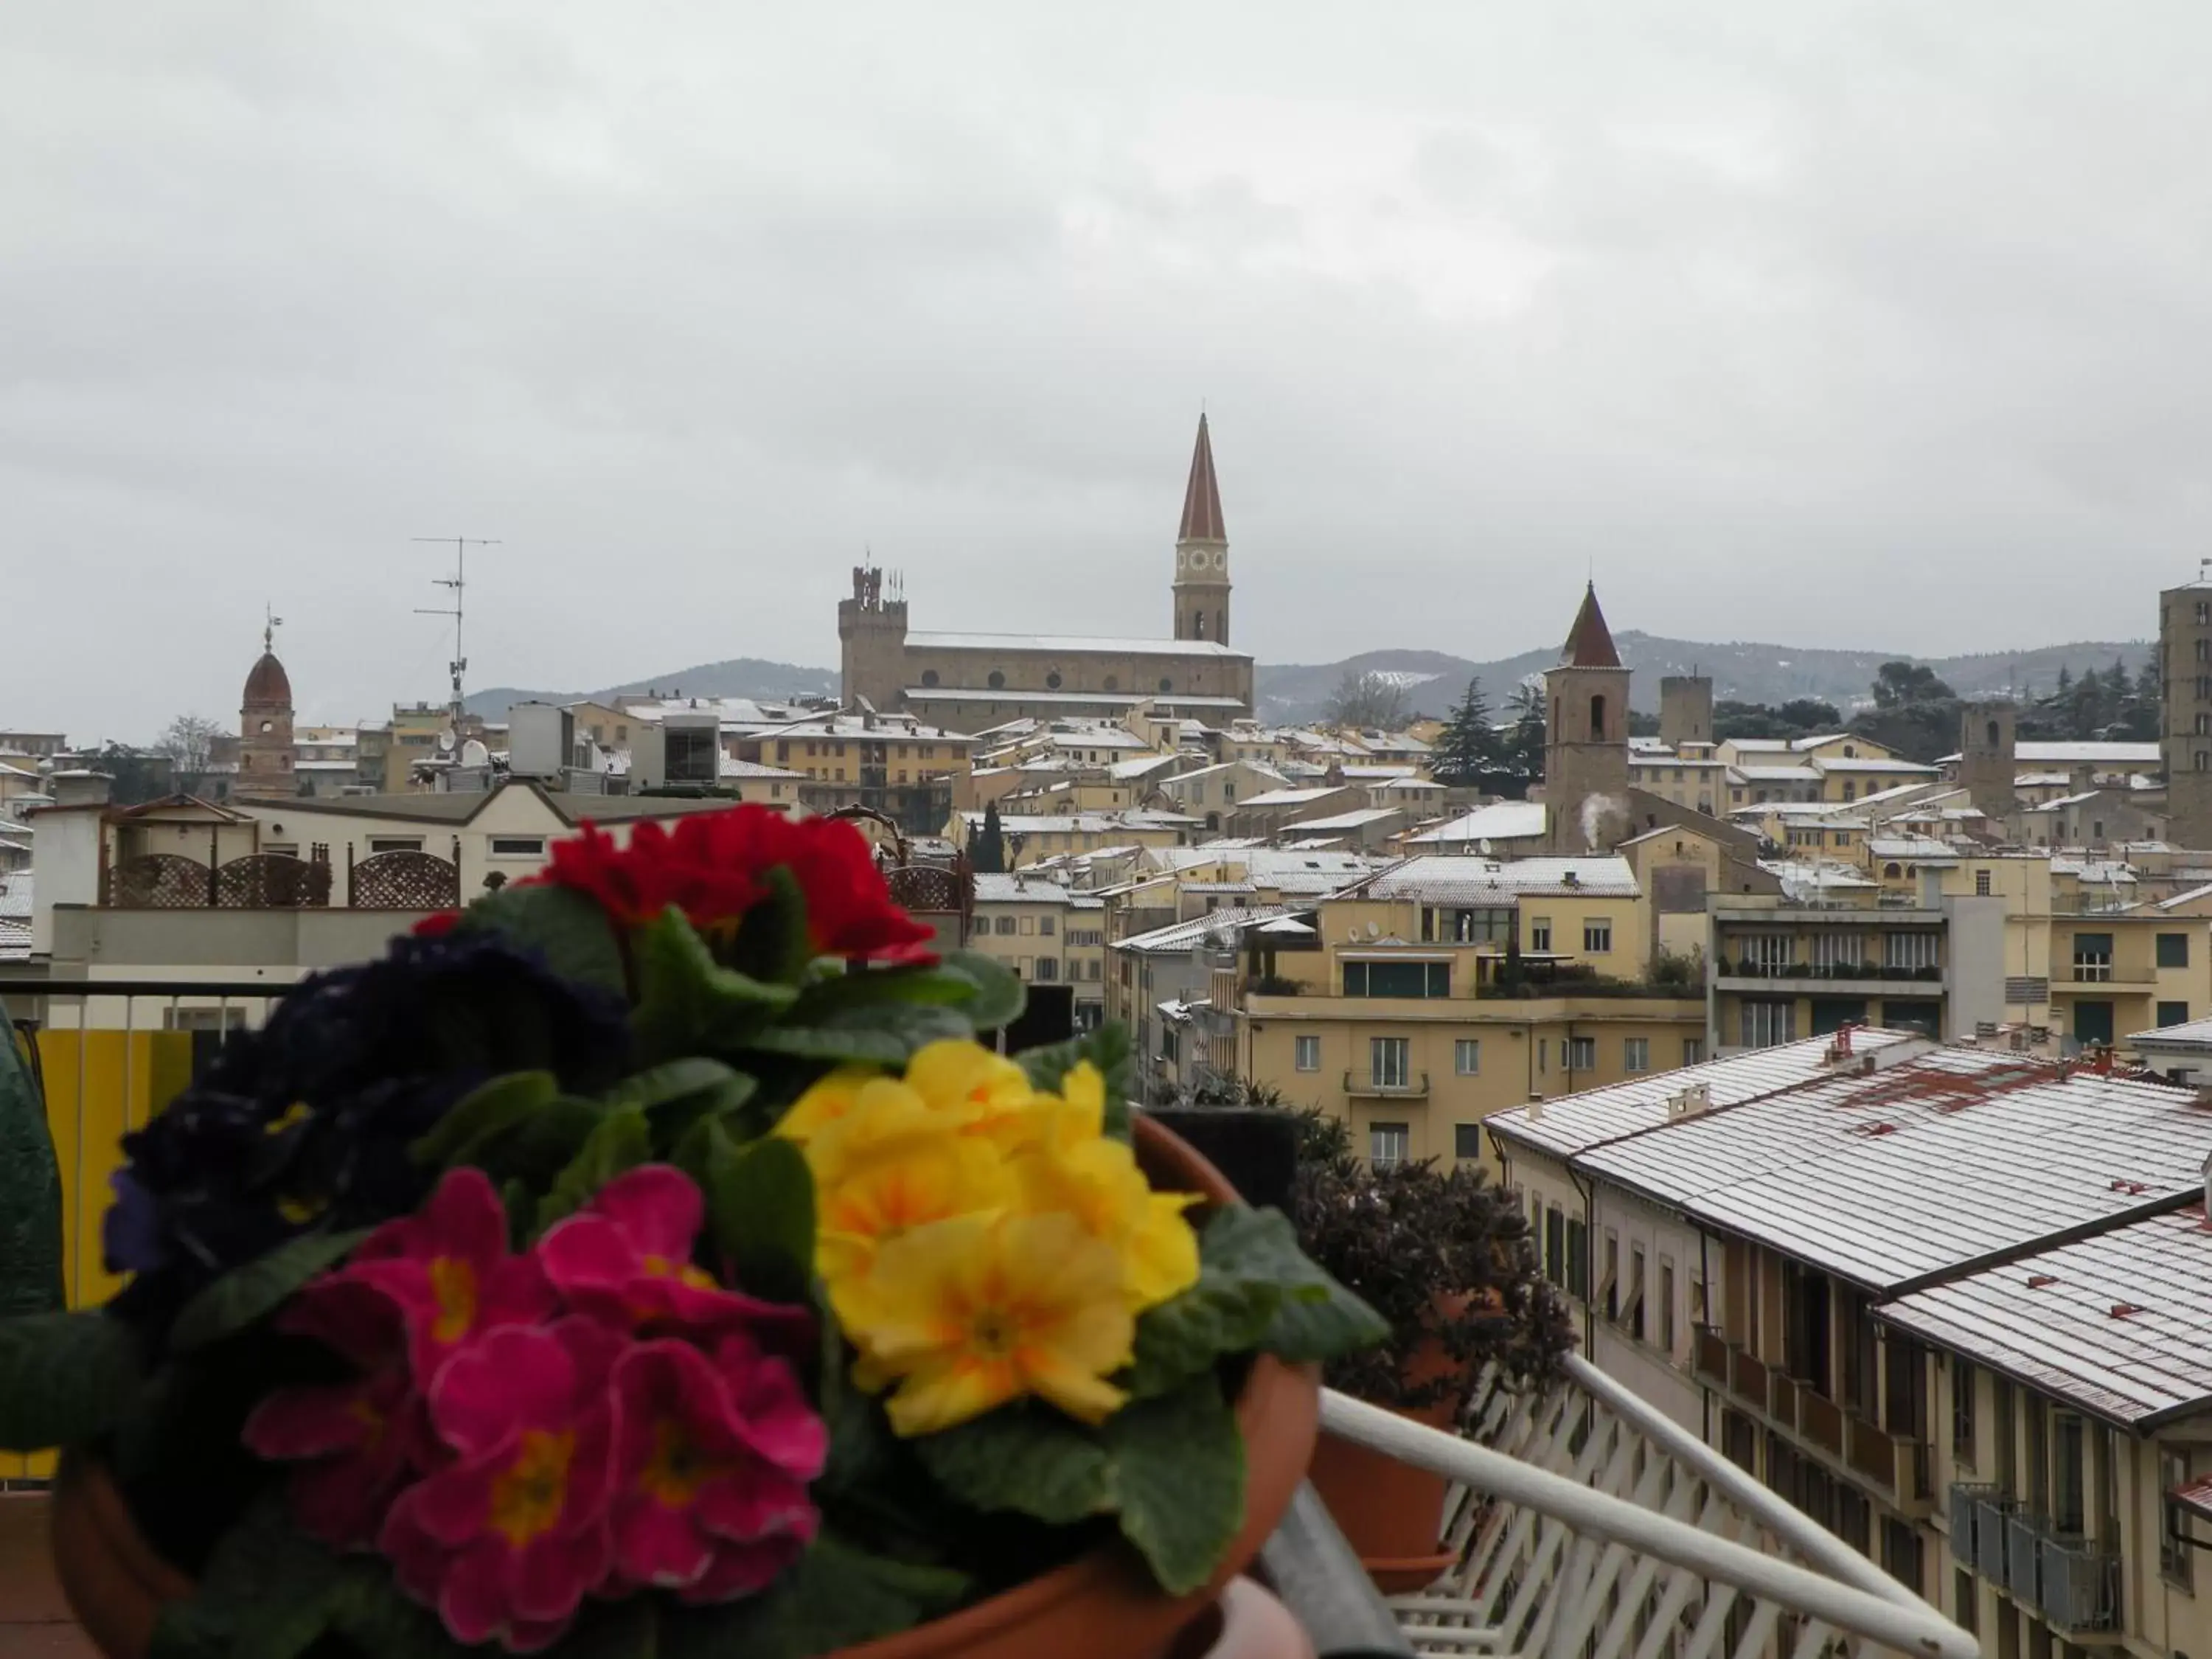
x,y
2175,1552
1597,937
1635,1053
1028,925
1539,932
1666,1305
691,755
2173,1013
1632,1314
1002,925
518,846
1900,1552
1577,1259
1966,1601
2068,1466
1962,1410
1167,1042
1466,1140
1765,953
1766,1023
1388,1061
1397,979
1389,1144
2173,949
1914,950
1542,1048
2093,956
1305,1053
1834,950
929,677
1608,1279
1693,1051
395,844
1597,720
1493,927
996,680
1981,883
1581,1053
1467,1057
1555,1253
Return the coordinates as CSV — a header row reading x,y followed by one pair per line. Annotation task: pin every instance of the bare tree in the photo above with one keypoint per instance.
x,y
189,741
1364,701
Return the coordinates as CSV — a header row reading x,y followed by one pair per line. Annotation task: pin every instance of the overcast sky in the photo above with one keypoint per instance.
x,y
1878,325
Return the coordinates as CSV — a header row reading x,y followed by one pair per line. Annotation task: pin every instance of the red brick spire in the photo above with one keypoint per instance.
x,y
1201,498
1589,642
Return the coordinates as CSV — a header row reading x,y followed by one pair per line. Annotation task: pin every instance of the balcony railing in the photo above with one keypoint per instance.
x,y
2075,1584
1588,1524
1413,1086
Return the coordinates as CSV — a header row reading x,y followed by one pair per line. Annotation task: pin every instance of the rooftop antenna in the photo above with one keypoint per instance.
x,y
270,624
457,584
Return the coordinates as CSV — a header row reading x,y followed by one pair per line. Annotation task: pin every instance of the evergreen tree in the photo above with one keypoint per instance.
x,y
1522,761
986,852
1467,749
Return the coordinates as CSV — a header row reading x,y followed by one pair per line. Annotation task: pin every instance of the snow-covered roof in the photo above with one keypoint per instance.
x,y
993,888
1443,879
1069,645
1359,819
1011,694
1891,1178
2118,1323
1182,935
1504,820
1286,797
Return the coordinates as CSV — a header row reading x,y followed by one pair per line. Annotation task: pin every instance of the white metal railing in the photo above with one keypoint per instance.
x,y
1590,1525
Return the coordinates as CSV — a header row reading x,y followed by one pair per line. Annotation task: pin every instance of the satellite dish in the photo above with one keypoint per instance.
x,y
1483,846
475,754
1373,931
445,740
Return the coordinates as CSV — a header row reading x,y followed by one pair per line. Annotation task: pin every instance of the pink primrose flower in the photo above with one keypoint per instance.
x,y
448,1270
507,1540
713,1458
626,1258
357,1441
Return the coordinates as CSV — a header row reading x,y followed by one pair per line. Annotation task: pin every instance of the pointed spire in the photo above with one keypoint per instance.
x,y
1589,642
1201,500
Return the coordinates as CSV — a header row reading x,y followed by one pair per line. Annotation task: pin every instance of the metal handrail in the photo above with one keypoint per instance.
x,y
1838,1602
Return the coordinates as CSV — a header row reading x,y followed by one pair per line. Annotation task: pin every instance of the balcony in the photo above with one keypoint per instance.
x,y
1590,1525
2080,1584
2074,1584
1894,1466
1894,1462
1414,1085
1797,979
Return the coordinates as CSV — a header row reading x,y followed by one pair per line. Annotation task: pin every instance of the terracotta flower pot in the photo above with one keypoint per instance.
x,y
1101,1606
1391,1513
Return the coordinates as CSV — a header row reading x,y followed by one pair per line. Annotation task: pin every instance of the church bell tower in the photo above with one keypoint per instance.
x,y
1201,566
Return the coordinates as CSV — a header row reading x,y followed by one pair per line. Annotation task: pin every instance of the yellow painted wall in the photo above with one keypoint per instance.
x,y
98,1085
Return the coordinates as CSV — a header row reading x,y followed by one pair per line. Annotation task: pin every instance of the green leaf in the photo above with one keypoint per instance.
x,y
269,1591
65,1378
674,1080
760,1203
1026,1458
254,1291
1314,1318
841,985
482,1113
1179,1469
574,934
1187,1336
885,1035
381,1622
621,1140
686,1001
999,996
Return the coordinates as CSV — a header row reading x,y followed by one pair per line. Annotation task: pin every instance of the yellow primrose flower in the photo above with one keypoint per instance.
x,y
902,1185
970,1313
992,1095
831,1098
1098,1182
884,1114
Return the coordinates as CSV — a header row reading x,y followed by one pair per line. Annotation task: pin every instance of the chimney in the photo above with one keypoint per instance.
x,y
2204,1174
81,787
1536,1109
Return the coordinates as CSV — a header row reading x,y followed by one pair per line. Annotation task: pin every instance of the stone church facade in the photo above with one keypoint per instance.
x,y
968,682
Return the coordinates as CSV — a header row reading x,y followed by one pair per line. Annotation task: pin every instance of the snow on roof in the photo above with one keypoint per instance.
x,y
1504,820
1011,694
1142,766
2041,779
1577,1123
15,894
1446,879
1069,645
992,888
1924,1168
1182,935
1856,763
2119,1323
1354,820
2184,898
1778,774
1912,847
1111,737
2189,1034
1286,797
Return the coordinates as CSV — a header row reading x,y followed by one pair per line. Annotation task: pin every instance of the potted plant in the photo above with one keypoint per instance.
x,y
649,1262
1446,1258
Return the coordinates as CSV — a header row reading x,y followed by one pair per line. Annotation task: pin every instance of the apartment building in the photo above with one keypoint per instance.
x,y
1949,1302
1046,933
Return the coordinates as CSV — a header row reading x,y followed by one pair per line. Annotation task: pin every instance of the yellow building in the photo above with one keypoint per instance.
x,y
1045,934
1032,839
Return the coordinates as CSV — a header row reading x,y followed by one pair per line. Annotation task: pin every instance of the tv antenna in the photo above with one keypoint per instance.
x,y
456,584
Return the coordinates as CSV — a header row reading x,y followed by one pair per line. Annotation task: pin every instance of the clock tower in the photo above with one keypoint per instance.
x,y
1202,556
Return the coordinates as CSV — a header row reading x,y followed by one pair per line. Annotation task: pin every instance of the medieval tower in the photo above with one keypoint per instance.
x,y
2184,661
1985,759
1586,738
1201,557
871,643
1686,710
264,726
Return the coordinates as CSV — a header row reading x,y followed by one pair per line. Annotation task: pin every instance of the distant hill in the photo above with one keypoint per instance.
x,y
1740,671
1744,671
740,676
